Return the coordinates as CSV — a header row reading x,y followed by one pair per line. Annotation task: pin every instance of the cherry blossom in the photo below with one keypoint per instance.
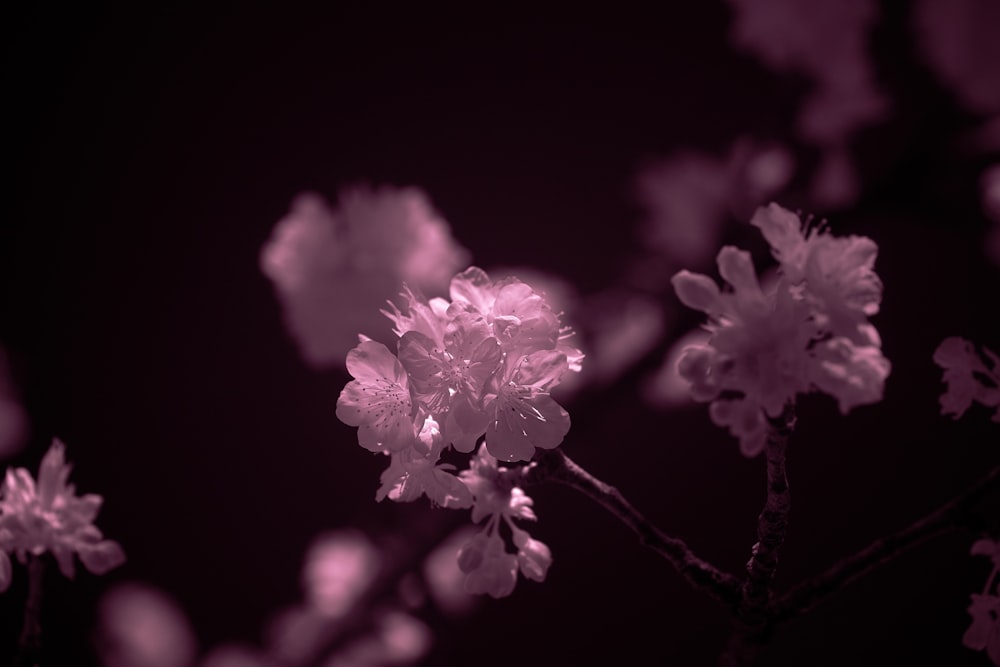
x,y
984,633
809,331
378,400
968,377
488,566
50,517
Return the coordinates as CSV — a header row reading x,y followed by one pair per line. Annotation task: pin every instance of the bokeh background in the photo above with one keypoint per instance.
x,y
150,153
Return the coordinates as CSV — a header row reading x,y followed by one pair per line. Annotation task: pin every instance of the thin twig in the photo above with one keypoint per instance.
x,y
956,513
555,466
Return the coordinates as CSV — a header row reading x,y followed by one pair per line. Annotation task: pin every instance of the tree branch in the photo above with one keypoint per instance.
x,y
753,612
553,465
958,512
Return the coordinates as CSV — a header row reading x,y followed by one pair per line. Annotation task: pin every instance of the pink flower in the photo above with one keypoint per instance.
x,y
378,399
488,566
967,377
412,474
810,331
50,517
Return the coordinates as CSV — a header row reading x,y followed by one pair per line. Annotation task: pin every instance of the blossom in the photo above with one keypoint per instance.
x,y
968,378
809,331
49,516
333,266
984,633
483,363
378,399
412,474
488,566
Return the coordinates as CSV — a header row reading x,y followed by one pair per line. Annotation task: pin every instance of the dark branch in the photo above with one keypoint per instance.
x,y
555,466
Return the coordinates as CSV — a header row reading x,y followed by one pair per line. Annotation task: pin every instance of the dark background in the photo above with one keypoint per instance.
x,y
150,153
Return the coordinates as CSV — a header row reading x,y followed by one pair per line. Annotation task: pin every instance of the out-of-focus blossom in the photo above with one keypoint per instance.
x,y
49,516
686,197
826,41
333,268
810,331
622,327
398,639
685,200
339,567
445,580
984,633
236,655
296,634
13,418
666,388
141,626
989,187
958,41
968,377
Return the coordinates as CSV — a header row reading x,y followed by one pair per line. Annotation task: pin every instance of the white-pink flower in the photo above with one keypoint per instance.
x,y
50,517
809,331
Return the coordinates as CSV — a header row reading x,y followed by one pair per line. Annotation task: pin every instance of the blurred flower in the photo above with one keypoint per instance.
x,y
622,326
445,580
809,331
339,568
236,655
687,196
51,517
984,633
684,197
397,640
141,626
666,388
967,377
958,41
13,418
828,42
333,268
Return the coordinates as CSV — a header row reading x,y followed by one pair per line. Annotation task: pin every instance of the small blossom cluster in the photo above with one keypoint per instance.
x,y
479,366
968,377
50,517
810,331
984,633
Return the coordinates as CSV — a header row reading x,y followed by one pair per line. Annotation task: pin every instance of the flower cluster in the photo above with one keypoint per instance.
x,y
49,516
809,331
488,566
984,633
968,377
479,366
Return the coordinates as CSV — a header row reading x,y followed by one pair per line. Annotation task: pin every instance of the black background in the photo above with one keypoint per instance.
x,y
150,153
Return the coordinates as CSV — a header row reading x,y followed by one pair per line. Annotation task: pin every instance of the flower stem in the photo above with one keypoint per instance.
x,y
30,643
956,513
553,465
